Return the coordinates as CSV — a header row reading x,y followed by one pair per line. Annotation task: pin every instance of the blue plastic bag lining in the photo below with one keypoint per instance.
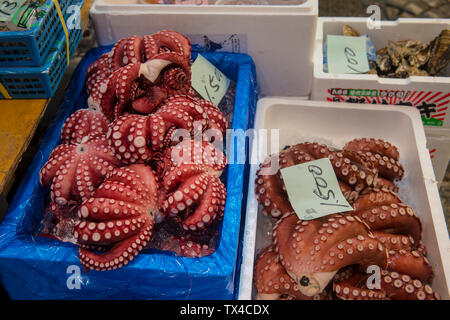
x,y
33,267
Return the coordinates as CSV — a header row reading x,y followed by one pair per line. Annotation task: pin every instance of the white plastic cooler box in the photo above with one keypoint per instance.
x,y
431,95
438,142
334,124
279,38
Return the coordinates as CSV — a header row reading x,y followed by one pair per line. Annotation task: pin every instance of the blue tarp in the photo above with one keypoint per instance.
x,y
33,267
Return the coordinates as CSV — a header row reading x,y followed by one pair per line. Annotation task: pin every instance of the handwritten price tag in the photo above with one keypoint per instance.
x,y
208,81
313,189
8,8
347,54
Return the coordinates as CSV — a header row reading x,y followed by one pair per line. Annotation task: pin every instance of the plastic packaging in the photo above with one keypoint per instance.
x,y
33,267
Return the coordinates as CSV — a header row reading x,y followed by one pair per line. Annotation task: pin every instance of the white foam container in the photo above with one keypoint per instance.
x,y
438,142
279,38
424,30
335,124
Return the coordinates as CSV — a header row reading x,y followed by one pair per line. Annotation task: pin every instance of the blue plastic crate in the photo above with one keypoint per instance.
x,y
40,82
33,267
31,47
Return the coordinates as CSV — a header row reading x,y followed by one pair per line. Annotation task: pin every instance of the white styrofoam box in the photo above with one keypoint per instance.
x,y
280,39
334,124
431,95
438,143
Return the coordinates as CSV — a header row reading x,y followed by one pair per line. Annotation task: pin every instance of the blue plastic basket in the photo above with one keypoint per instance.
x,y
33,267
40,82
31,47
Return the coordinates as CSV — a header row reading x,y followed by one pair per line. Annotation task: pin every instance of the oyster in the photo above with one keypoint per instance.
x,y
349,31
439,53
384,63
401,59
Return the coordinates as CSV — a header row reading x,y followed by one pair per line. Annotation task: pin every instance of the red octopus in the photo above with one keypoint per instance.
x,y
137,138
73,171
332,253
140,73
119,214
191,189
143,115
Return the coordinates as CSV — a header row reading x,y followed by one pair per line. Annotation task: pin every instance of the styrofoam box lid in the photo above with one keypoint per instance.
x,y
334,124
114,5
423,30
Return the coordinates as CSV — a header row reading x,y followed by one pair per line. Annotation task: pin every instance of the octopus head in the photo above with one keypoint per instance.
x,y
313,284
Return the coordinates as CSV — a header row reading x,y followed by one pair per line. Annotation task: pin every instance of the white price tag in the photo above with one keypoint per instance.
x,y
313,189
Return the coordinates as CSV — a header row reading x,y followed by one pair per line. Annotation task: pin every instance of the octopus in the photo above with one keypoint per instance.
x,y
192,191
330,256
118,219
73,171
140,73
140,167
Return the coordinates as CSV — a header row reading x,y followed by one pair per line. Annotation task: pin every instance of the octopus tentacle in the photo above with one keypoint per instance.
x,y
192,249
167,40
353,173
210,207
133,50
104,233
386,185
412,263
105,98
395,241
376,198
126,77
387,167
403,287
100,65
201,153
189,105
313,251
82,123
398,218
378,146
121,254
127,136
116,54
216,120
123,219
354,287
